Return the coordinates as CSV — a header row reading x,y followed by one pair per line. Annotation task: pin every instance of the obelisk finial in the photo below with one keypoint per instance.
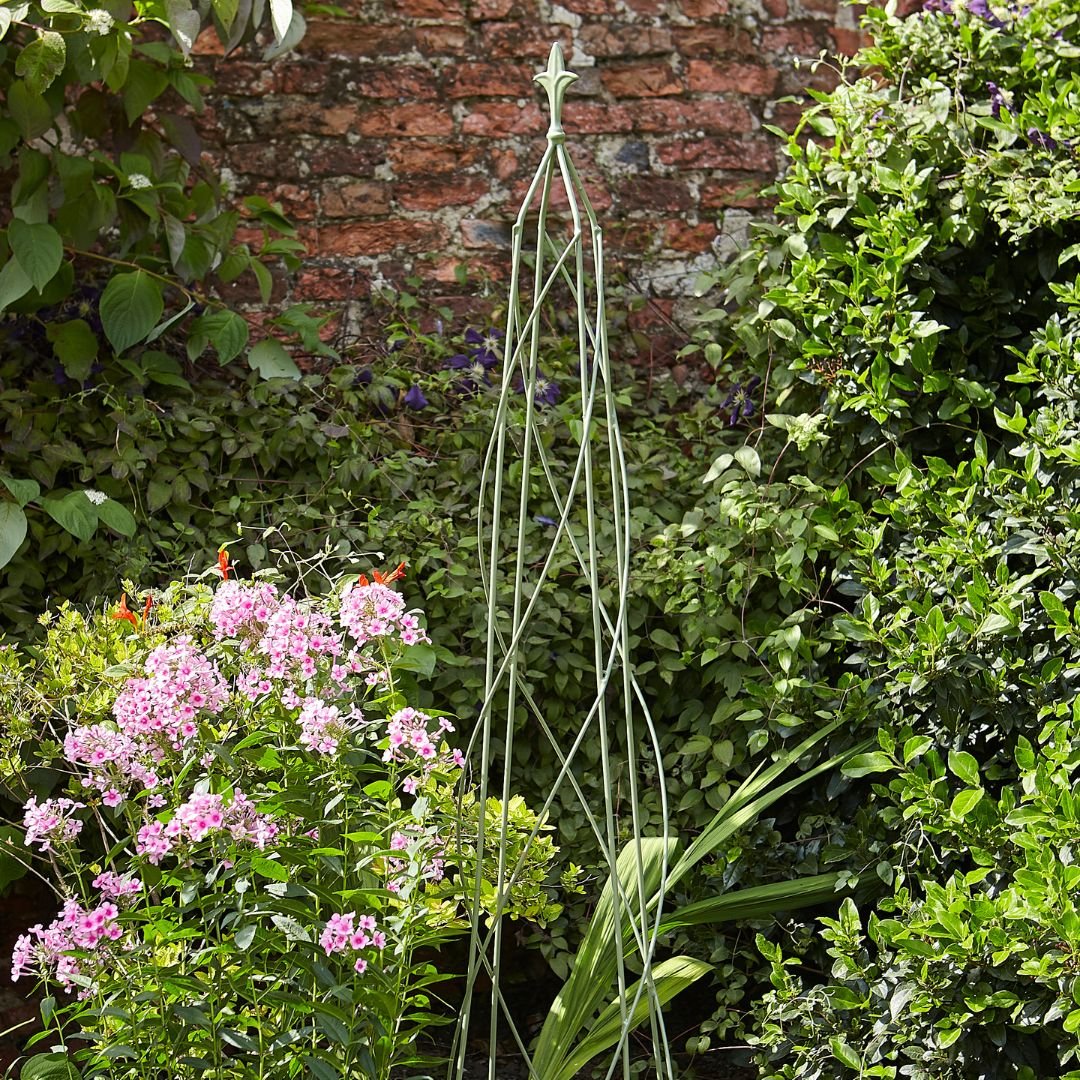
x,y
555,79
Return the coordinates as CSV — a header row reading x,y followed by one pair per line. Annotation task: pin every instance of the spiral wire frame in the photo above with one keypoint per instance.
x,y
504,508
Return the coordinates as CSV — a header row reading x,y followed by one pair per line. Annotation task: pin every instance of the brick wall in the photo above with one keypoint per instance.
x,y
402,137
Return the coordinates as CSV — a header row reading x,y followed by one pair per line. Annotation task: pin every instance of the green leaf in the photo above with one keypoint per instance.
x,y
14,283
963,765
41,61
117,517
184,22
268,868
748,458
75,345
271,361
245,936
844,1053
22,491
12,531
74,511
226,330
130,307
226,11
965,801
419,658
864,764
670,977
54,1066
144,84
30,111
281,15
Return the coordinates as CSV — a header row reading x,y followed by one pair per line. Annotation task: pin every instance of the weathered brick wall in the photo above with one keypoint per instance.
x,y
403,137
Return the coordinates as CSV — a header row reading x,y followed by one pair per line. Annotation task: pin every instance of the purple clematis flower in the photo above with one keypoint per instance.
x,y
997,100
486,346
546,393
981,9
415,399
1041,139
543,519
739,404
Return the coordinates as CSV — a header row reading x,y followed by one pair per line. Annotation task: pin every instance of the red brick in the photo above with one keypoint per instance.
x,y
378,237
370,81
718,194
450,191
486,79
802,39
847,41
616,39
485,10
516,40
754,80
244,79
479,267
304,116
504,162
655,192
348,198
348,39
441,40
787,114
590,7
588,119
703,9
671,114
208,44
716,152
335,157
404,121
692,239
445,10
322,283
498,119
706,40
641,80
422,158
778,9
295,199
648,8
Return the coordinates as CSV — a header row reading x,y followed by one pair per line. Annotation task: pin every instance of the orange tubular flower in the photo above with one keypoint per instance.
x,y
397,574
122,612
147,606
223,564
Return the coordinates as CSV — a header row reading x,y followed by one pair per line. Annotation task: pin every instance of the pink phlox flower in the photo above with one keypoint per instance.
x,y
51,822
360,965
339,929
119,887
241,609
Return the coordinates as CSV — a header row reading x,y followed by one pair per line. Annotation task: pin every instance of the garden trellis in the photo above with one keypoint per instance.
x,y
557,239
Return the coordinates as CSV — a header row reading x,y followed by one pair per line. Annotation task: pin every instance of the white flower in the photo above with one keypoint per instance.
x,y
98,21
96,497
137,180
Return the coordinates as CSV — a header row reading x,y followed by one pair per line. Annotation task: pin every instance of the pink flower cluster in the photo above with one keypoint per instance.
x,y
291,638
121,887
376,611
155,716
199,817
51,822
349,932
49,948
242,608
412,742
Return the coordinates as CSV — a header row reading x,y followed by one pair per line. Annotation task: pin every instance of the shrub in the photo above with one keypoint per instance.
x,y
257,839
